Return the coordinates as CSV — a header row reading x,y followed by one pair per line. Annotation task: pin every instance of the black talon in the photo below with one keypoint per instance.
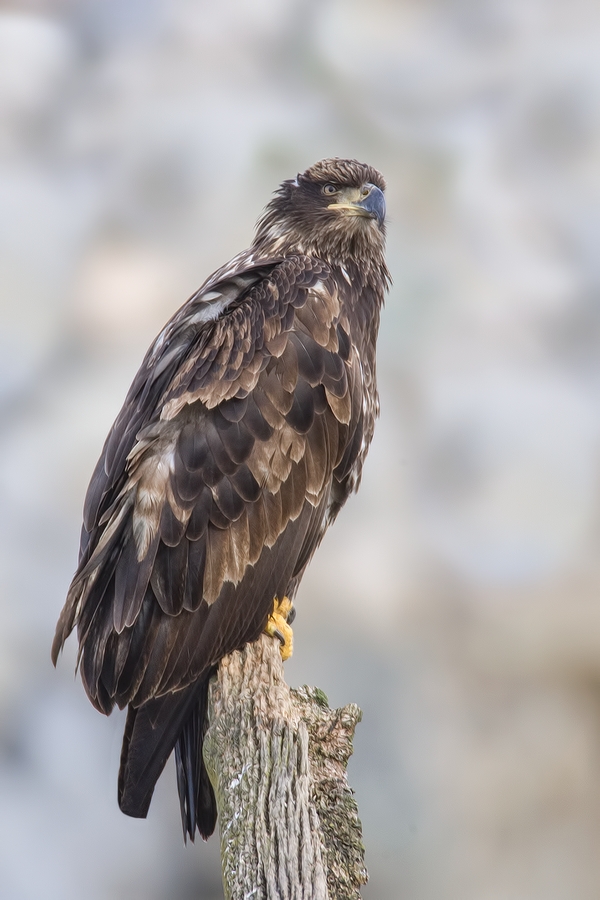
x,y
279,637
291,615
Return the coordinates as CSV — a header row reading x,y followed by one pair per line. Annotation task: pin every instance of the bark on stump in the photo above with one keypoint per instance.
x,y
277,760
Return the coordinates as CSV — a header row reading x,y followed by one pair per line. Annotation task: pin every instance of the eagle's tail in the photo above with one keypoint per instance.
x,y
151,733
196,796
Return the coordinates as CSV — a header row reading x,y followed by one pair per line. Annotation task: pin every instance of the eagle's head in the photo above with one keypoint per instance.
x,y
334,210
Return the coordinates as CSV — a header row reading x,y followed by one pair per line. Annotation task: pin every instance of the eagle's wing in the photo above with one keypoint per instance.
x,y
212,489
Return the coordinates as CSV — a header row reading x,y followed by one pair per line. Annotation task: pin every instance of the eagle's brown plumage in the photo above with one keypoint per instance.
x,y
241,437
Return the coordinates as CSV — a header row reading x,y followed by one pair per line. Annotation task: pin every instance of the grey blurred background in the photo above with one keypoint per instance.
x,y
457,600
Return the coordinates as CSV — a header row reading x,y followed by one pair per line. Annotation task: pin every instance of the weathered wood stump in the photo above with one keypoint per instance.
x,y
277,761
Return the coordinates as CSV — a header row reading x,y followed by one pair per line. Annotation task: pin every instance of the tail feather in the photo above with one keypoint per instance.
x,y
151,732
196,796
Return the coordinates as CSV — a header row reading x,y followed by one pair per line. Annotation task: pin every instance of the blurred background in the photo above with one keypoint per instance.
x,y
457,599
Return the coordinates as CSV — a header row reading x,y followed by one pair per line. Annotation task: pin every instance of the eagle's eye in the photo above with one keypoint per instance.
x,y
330,189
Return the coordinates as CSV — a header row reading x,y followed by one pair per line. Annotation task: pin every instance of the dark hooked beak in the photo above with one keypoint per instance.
x,y
374,203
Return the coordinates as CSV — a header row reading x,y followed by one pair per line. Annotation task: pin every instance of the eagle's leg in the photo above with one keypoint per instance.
x,y
278,625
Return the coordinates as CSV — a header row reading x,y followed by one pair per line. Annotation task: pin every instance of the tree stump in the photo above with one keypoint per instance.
x,y
277,761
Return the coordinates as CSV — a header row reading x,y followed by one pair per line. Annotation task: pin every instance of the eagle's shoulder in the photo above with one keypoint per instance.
x,y
218,330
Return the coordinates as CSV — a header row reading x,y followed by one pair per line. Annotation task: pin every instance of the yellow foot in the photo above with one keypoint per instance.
x,y
277,626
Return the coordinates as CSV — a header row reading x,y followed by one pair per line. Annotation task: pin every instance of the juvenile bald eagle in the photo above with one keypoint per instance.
x,y
241,437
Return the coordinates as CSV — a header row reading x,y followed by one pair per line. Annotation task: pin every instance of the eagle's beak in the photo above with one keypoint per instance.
x,y
374,203
369,202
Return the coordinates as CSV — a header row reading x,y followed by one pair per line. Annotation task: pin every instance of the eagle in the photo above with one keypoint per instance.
x,y
243,434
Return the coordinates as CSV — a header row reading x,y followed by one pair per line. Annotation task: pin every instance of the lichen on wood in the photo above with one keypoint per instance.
x,y
277,761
